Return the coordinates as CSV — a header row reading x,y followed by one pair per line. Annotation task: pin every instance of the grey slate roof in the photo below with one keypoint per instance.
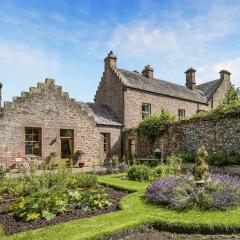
x,y
209,88
101,113
138,81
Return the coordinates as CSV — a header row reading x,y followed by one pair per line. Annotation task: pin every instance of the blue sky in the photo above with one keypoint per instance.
x,y
67,40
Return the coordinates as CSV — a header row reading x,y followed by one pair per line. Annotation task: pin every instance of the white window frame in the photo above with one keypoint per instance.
x,y
144,112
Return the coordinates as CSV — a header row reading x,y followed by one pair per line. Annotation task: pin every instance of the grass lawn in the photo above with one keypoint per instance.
x,y
135,212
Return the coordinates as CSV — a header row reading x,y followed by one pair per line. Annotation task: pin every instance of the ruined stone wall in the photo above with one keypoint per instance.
x,y
50,109
220,135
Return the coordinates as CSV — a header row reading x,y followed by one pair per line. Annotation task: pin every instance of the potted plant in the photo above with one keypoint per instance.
x,y
200,169
78,158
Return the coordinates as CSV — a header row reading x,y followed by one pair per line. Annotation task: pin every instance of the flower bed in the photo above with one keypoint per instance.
x,y
136,213
31,202
181,192
12,224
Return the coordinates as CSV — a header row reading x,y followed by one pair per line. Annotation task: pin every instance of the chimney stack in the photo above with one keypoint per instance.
x,y
225,75
147,72
110,61
190,79
1,94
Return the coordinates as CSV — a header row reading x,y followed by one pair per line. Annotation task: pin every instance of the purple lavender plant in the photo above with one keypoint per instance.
x,y
181,192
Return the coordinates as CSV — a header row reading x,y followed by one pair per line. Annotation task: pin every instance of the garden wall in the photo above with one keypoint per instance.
x,y
218,135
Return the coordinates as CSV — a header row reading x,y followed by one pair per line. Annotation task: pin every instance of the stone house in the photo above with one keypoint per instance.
x,y
45,119
133,96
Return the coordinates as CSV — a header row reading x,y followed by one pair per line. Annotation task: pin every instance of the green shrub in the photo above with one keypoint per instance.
x,y
50,162
154,126
172,167
200,168
161,171
93,199
215,159
40,205
221,159
81,180
26,185
188,157
49,204
174,162
140,173
11,187
223,111
2,174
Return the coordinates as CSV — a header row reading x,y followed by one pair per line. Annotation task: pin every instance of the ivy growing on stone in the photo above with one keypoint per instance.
x,y
154,126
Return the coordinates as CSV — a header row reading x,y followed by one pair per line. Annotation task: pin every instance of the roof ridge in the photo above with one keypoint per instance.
x,y
136,80
209,82
158,79
212,86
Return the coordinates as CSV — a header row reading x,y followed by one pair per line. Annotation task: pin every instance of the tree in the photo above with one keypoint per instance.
x,y
154,126
232,96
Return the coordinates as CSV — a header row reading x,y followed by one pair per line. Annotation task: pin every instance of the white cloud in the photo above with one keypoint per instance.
x,y
181,41
24,65
21,57
141,39
178,35
210,71
231,65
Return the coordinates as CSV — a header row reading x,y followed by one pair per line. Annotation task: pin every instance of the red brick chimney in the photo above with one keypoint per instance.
x,y
110,60
147,72
190,79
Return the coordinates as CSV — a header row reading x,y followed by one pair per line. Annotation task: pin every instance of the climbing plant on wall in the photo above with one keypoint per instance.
x,y
154,126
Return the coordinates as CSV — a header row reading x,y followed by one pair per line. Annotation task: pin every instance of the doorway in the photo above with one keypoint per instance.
x,y
67,143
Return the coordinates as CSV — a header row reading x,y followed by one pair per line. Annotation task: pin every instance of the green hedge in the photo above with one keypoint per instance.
x,y
227,111
214,159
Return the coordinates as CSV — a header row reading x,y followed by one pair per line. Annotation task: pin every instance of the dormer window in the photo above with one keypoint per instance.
x,y
146,110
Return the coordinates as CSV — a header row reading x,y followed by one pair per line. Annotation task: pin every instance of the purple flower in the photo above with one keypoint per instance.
x,y
181,192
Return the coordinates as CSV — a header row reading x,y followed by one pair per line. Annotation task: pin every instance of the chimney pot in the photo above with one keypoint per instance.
x,y
148,72
190,79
